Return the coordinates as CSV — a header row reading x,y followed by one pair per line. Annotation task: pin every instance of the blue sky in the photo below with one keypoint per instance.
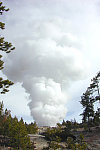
x,y
57,54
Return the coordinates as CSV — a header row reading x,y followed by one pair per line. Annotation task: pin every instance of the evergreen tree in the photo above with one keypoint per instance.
x,y
87,103
32,128
89,98
5,47
97,117
1,117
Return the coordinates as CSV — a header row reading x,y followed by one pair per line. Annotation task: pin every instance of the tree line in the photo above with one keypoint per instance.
x,y
15,131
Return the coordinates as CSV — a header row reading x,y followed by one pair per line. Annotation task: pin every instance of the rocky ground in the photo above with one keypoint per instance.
x,y
93,138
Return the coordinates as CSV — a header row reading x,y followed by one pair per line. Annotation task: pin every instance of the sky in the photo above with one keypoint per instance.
x,y
57,53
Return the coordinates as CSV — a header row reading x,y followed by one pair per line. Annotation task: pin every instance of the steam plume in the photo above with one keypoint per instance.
x,y
46,60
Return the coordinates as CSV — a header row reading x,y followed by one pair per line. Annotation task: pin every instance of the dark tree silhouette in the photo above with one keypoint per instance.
x,y
88,99
7,48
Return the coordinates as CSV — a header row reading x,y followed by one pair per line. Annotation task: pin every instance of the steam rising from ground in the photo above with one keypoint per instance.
x,y
45,64
47,60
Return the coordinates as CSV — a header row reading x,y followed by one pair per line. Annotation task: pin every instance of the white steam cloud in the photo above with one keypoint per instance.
x,y
45,64
46,60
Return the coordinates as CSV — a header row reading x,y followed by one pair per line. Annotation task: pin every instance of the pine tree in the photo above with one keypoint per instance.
x,y
87,103
89,98
18,134
7,48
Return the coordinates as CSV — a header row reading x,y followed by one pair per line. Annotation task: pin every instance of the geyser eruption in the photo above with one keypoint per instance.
x,y
49,38
45,63
48,101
